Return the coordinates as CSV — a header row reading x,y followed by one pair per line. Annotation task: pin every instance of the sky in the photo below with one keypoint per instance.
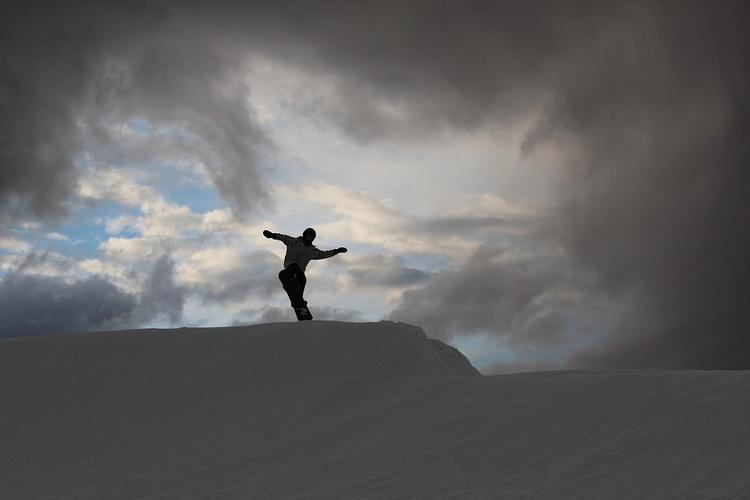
x,y
543,185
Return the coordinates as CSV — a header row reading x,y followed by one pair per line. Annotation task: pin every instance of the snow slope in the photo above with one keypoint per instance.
x,y
328,409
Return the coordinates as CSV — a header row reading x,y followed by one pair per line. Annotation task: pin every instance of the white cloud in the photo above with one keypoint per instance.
x,y
118,185
205,266
15,245
134,250
57,236
47,263
366,220
112,271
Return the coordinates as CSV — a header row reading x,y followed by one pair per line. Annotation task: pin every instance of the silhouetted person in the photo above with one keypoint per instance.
x,y
299,252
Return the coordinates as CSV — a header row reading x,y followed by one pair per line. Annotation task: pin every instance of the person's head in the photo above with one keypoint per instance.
x,y
309,235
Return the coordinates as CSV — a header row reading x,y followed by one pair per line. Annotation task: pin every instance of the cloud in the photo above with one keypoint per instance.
x,y
196,87
409,70
47,263
376,270
226,275
161,295
40,305
48,65
14,245
69,86
57,236
41,85
656,197
209,248
540,307
34,304
455,231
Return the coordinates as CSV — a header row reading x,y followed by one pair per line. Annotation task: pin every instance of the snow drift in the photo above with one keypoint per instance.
x,y
328,409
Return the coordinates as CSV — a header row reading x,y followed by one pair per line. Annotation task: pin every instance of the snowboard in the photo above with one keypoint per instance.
x,y
303,313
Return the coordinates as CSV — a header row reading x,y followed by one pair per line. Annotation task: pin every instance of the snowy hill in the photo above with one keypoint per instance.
x,y
328,409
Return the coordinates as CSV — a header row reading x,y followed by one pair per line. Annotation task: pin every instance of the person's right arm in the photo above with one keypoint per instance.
x,y
278,236
324,254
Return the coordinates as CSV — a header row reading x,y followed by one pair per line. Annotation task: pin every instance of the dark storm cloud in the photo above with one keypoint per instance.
x,y
410,69
41,85
70,71
40,305
535,304
657,198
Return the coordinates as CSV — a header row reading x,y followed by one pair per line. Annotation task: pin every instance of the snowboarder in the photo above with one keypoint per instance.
x,y
299,252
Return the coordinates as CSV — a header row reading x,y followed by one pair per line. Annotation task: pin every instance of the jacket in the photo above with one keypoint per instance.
x,y
297,251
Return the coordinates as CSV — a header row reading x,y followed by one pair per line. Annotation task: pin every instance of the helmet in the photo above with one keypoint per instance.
x,y
309,234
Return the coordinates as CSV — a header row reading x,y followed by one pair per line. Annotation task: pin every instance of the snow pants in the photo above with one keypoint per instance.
x,y
293,280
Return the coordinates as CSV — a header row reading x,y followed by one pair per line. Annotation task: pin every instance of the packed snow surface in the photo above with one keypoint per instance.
x,y
330,409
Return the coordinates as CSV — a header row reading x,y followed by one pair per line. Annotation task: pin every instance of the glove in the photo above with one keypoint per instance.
x,y
341,250
267,233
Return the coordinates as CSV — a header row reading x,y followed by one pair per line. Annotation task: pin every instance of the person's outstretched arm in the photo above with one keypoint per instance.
x,y
278,236
324,254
